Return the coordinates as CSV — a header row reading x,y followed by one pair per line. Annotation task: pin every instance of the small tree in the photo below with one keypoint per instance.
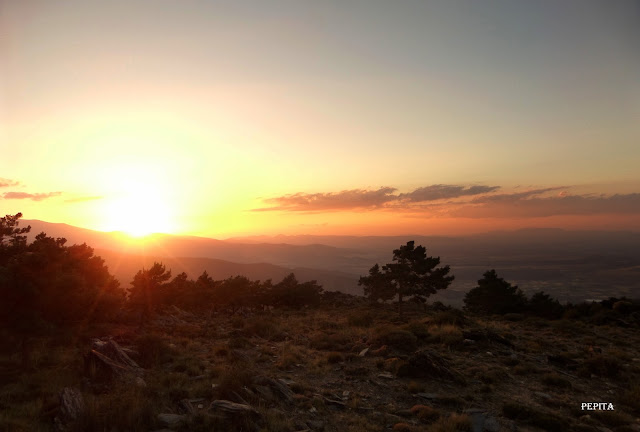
x,y
145,292
411,274
543,305
494,295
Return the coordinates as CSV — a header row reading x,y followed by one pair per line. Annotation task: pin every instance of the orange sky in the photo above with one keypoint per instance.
x,y
253,118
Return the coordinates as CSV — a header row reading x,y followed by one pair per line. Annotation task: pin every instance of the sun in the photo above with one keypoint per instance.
x,y
140,202
139,213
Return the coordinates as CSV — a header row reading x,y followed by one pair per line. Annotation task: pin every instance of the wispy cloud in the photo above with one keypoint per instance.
x,y
364,199
332,201
523,207
443,191
460,201
33,197
4,182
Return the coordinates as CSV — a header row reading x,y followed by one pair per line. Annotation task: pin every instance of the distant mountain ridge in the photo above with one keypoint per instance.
x,y
572,265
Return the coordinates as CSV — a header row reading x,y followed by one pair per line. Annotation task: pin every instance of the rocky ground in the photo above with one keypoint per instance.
x,y
351,367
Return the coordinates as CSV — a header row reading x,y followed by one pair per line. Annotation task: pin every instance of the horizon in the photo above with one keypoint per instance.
x,y
141,238
245,119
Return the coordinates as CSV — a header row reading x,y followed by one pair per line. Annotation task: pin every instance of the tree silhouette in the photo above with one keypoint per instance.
x,y
494,295
376,286
412,273
145,292
46,284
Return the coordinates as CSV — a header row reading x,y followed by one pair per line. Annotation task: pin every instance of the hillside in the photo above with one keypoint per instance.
x,y
346,367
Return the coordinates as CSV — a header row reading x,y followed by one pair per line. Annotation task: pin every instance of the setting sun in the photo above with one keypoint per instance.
x,y
138,202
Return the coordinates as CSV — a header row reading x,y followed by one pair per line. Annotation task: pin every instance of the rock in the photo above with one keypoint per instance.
x,y
279,388
364,352
486,335
335,403
187,406
107,360
71,405
264,391
171,419
428,396
233,408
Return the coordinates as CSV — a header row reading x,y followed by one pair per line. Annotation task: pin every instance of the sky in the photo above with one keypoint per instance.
x,y
227,118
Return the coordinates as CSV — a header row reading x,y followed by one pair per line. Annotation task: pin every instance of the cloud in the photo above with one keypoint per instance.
x,y
445,201
517,205
83,199
359,199
344,200
33,197
8,182
442,191
512,197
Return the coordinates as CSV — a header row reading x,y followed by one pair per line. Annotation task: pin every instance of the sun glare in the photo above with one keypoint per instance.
x,y
140,203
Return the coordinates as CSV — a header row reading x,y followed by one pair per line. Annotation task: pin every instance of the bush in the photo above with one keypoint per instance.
x,y
542,305
425,413
600,365
153,350
555,380
542,419
360,319
494,295
396,338
451,316
419,330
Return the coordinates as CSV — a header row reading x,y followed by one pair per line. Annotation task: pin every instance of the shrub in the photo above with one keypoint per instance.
x,y
631,397
331,342
494,295
334,357
232,382
396,338
601,365
613,418
454,423
420,330
451,316
414,387
153,350
360,319
425,413
544,306
446,334
542,419
555,380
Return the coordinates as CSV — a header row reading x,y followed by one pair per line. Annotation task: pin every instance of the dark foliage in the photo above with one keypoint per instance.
x,y
494,295
543,305
46,282
411,274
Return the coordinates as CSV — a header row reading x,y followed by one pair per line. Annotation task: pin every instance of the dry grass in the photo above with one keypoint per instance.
x,y
454,423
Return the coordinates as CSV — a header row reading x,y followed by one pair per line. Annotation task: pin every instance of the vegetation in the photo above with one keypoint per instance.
x,y
411,274
494,295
